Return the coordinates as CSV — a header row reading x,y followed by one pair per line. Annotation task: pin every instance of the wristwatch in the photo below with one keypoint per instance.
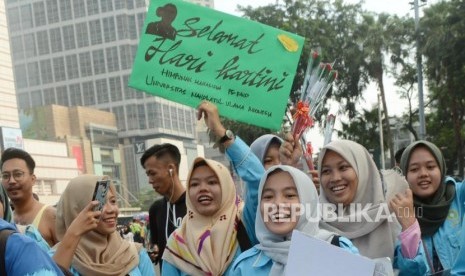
x,y
229,135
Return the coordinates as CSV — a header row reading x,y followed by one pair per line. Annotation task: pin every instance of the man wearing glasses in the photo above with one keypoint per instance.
x,y
17,179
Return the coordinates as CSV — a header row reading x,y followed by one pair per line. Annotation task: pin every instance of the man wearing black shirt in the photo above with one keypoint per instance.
x,y
161,164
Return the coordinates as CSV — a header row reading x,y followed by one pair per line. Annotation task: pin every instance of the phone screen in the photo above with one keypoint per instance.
x,y
100,193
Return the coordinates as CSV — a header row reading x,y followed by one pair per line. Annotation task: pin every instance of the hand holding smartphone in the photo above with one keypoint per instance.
x,y
100,193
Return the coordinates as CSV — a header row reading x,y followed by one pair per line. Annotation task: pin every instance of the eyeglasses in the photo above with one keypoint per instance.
x,y
17,175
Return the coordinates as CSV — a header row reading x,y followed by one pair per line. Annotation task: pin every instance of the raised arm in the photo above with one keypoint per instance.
x,y
245,163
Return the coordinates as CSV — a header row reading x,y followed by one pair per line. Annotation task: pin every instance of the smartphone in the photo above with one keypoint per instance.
x,y
100,193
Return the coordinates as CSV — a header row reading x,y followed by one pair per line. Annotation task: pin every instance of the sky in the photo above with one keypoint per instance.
x,y
396,106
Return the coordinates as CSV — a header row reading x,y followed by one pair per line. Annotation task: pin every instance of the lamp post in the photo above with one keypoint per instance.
x,y
421,105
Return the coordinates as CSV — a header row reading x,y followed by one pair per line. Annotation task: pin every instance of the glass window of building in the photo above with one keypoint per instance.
x,y
129,93
55,40
68,37
125,55
88,93
139,94
120,117
132,26
52,11
42,43
158,115
109,33
72,67
33,73
141,114
23,100
106,5
17,48
82,35
49,96
98,59
39,14
79,7
140,22
46,71
174,118
129,4
59,69
120,4
14,20
131,113
116,91
140,3
102,91
36,98
26,17
66,10
30,45
151,115
20,76
95,30
182,120
189,120
122,27
166,116
62,95
75,96
112,59
85,63
133,52
92,7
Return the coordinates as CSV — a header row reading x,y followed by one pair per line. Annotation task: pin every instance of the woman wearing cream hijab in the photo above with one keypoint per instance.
x,y
351,181
90,244
207,241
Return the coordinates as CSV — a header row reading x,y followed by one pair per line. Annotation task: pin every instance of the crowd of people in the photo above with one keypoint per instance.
x,y
206,227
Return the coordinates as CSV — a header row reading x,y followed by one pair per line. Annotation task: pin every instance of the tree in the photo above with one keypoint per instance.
x,y
146,197
443,40
327,25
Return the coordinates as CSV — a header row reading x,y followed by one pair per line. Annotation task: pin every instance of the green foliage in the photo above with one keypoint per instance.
x,y
367,47
146,197
443,42
330,26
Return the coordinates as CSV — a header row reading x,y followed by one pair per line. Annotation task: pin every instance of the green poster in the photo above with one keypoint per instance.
x,y
189,53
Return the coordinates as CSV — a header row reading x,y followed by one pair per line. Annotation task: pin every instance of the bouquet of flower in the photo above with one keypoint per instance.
x,y
308,156
317,82
329,128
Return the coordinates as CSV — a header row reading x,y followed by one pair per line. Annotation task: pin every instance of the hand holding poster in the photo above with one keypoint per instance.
x,y
191,53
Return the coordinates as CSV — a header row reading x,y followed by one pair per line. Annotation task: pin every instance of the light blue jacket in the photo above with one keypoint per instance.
x,y
250,169
459,266
446,241
24,257
255,262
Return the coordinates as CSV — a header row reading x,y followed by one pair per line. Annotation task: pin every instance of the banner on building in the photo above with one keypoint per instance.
x,y
189,53
11,138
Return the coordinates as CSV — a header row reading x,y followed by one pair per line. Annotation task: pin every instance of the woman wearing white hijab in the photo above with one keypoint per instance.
x,y
282,184
350,180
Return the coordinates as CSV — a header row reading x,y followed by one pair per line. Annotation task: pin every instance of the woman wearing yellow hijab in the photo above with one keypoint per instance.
x,y
207,241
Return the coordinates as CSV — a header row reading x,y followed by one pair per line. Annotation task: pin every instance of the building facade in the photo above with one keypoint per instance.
x,y
90,136
80,53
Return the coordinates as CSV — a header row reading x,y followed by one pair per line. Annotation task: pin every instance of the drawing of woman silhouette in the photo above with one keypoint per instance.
x,y
163,27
